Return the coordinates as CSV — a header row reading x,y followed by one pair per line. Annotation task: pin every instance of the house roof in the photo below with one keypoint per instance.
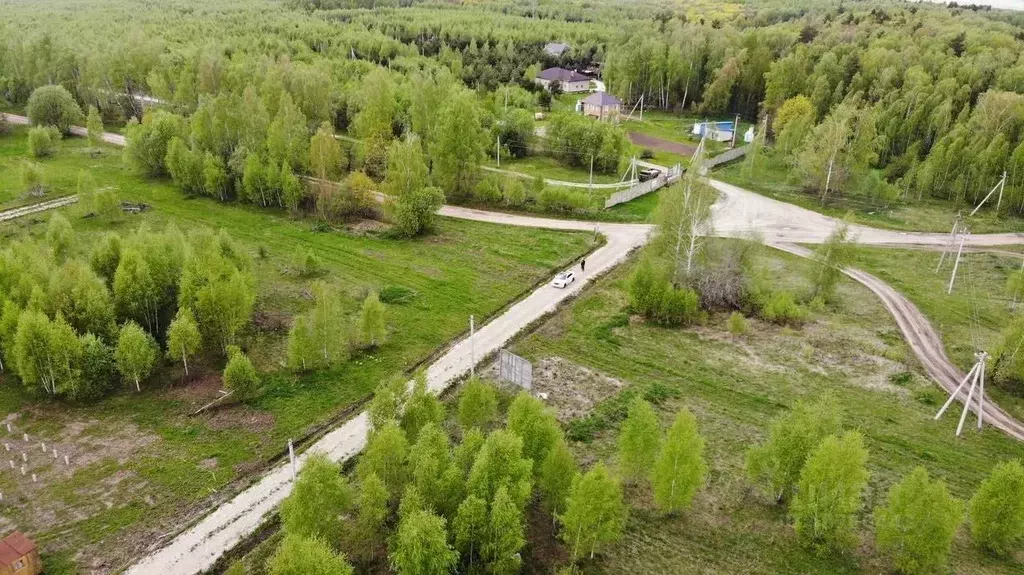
x,y
602,99
555,48
14,547
562,75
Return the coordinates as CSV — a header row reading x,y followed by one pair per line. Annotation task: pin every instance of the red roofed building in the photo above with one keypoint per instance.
x,y
19,556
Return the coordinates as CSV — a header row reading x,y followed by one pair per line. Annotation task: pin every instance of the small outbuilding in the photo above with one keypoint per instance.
x,y
555,49
603,106
717,131
19,555
570,81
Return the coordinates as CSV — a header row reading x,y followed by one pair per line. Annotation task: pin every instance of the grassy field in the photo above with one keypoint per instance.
x,y
552,169
60,173
141,467
972,317
775,179
735,385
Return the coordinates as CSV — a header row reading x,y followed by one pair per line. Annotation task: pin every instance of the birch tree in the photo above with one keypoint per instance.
x,y
639,440
183,337
679,470
595,514
135,353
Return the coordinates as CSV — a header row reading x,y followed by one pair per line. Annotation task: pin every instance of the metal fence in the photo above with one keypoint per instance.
x,y
727,156
515,369
644,188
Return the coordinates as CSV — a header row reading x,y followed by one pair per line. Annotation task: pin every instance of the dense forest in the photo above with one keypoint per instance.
x,y
926,100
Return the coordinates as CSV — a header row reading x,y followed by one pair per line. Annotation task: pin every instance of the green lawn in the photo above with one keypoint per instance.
x,y
775,179
735,385
553,169
971,318
141,466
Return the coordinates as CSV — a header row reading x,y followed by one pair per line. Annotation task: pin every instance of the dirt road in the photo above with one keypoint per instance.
x,y
924,341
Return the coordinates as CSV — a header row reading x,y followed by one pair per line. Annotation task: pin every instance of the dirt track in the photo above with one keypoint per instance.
x,y
924,341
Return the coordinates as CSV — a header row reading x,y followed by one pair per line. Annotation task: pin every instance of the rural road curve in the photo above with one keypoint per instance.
x,y
738,213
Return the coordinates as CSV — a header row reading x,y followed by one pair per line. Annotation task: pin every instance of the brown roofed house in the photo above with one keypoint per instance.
x,y
19,556
603,106
570,81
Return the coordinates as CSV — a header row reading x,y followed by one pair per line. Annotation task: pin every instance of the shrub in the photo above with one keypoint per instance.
x,y
42,141
646,154
240,376
514,192
737,323
781,308
31,177
677,307
396,295
559,199
54,106
310,265
487,191
642,286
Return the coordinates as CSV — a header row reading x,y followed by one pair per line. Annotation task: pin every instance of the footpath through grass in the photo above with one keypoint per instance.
x,y
141,466
735,385
775,179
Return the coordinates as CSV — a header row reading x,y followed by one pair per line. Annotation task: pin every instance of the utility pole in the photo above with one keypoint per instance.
x,y
1002,186
641,107
590,186
952,240
735,126
291,458
956,263
472,350
499,151
977,378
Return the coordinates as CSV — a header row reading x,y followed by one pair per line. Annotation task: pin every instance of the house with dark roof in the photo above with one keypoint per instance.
x,y
570,81
19,556
602,105
555,49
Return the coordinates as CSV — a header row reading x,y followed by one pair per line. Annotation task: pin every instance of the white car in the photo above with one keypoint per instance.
x,y
563,279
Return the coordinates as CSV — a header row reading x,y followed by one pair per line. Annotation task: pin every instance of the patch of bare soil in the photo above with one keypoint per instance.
x,y
200,389
368,226
544,552
573,390
659,144
238,417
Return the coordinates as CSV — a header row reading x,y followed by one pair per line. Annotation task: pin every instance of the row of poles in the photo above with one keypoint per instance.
x,y
976,376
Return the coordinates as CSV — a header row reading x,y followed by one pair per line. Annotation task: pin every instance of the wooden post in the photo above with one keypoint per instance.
x,y
291,458
472,351
590,187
